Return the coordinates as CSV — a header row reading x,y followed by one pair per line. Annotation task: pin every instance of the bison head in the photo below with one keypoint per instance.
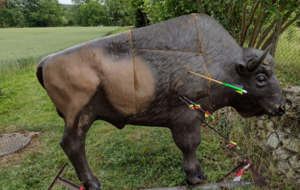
x,y
256,70
225,60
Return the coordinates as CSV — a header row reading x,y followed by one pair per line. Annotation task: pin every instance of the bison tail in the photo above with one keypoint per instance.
x,y
39,71
39,75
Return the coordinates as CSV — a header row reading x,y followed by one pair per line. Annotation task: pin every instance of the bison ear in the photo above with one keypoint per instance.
x,y
241,68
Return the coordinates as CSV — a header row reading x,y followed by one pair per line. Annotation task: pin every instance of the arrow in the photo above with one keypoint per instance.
x,y
235,87
192,104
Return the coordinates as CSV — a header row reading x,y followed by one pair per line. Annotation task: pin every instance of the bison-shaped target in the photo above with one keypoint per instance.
x,y
129,78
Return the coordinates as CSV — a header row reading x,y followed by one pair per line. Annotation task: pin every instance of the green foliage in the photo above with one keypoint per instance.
x,y
108,12
69,15
75,14
258,16
119,12
140,17
12,14
93,14
163,10
32,13
49,14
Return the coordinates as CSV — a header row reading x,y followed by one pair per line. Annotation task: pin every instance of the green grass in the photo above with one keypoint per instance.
x,y
132,158
119,30
23,46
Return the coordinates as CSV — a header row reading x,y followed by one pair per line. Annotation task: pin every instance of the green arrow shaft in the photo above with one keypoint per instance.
x,y
234,87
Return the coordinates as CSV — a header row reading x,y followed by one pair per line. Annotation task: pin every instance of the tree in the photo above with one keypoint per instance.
x,y
68,15
76,10
253,23
2,4
119,12
93,14
140,17
48,13
158,10
12,14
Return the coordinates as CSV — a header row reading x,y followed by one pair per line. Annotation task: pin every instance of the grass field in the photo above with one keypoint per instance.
x,y
22,46
133,158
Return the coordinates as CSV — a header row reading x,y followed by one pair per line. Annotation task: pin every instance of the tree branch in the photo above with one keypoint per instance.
x,y
290,22
254,8
233,23
243,24
265,34
257,24
276,38
200,7
269,40
268,30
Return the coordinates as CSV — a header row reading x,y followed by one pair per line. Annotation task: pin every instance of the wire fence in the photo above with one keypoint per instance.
x,y
287,56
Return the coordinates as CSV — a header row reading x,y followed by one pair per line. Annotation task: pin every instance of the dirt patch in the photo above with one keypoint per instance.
x,y
18,156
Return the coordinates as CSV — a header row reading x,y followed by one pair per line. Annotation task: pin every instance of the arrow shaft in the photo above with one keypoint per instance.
x,y
222,83
234,87
206,77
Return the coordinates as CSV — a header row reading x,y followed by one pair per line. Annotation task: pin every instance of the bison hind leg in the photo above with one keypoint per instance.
x,y
73,144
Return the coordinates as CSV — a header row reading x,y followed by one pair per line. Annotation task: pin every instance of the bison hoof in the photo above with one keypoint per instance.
x,y
195,178
93,185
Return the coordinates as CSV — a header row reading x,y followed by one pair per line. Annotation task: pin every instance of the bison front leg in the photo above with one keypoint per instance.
x,y
73,144
187,136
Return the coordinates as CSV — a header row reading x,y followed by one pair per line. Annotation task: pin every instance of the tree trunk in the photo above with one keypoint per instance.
x,y
200,7
256,27
233,23
145,18
243,23
276,38
254,8
265,34
268,30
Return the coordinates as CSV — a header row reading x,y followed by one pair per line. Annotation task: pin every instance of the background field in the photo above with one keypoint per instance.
x,y
132,158
22,46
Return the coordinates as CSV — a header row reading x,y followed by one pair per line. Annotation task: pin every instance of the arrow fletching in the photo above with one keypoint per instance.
x,y
239,89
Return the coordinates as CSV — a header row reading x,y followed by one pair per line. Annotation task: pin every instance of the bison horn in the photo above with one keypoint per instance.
x,y
253,65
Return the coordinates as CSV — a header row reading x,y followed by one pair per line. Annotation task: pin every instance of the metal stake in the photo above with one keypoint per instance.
x,y
63,181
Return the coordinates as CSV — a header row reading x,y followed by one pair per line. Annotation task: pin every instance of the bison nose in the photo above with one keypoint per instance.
x,y
281,110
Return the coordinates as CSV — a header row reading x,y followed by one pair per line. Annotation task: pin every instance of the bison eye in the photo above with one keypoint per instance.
x,y
262,80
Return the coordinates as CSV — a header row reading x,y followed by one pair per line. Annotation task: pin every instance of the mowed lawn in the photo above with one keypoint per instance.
x,y
136,157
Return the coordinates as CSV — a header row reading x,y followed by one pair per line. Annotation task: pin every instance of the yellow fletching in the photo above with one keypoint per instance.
x,y
239,91
206,115
234,143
